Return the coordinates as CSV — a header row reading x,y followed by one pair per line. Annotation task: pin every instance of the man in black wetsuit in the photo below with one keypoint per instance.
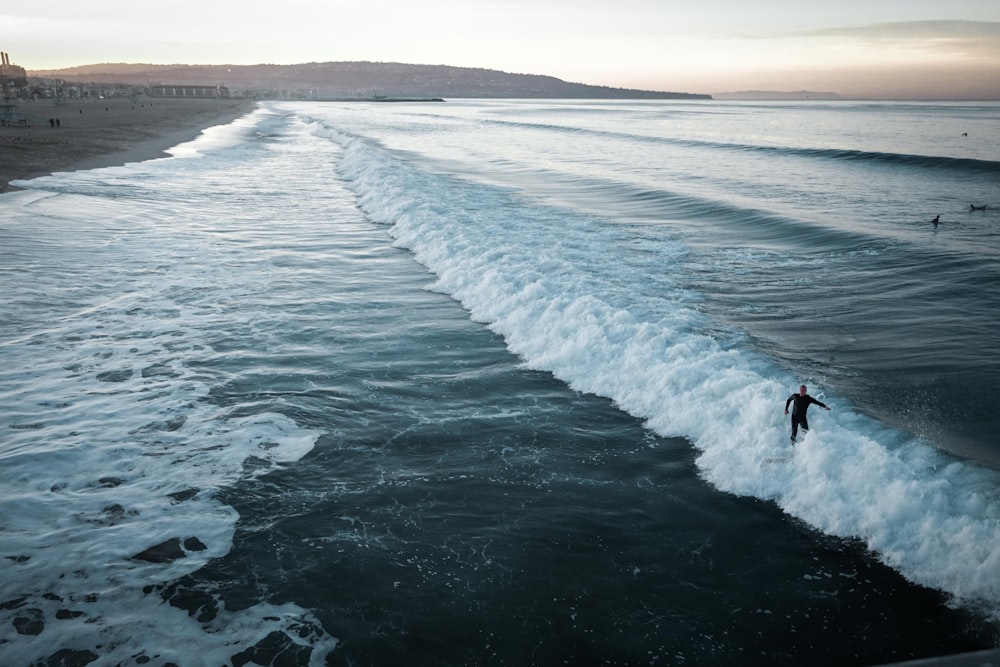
x,y
802,402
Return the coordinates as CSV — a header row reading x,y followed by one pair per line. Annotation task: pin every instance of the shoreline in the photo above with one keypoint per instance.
x,y
89,134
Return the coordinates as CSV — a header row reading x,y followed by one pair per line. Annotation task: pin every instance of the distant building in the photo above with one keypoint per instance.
x,y
11,76
173,90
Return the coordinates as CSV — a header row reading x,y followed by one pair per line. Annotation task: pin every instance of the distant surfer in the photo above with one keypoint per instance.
x,y
936,220
801,401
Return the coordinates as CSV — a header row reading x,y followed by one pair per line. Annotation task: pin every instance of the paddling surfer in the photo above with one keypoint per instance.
x,y
802,402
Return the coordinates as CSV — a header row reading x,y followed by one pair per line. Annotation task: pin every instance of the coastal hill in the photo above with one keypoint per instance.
x,y
352,80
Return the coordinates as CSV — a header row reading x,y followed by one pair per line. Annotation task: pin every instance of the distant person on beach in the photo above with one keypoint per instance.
x,y
802,401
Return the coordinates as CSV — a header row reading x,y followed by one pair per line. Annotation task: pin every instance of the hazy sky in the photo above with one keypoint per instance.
x,y
861,48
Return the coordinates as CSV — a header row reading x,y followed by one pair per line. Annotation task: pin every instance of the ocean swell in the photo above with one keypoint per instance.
x,y
560,288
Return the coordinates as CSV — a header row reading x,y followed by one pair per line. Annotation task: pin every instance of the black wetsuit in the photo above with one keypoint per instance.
x,y
802,404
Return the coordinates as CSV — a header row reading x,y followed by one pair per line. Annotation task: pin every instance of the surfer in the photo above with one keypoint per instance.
x,y
802,402
936,219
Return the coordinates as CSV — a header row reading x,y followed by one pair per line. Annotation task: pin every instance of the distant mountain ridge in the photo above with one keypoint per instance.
x,y
353,79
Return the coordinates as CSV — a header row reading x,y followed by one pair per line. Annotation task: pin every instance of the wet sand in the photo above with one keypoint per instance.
x,y
104,133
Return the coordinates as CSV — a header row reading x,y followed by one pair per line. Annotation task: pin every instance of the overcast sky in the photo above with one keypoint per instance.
x,y
859,48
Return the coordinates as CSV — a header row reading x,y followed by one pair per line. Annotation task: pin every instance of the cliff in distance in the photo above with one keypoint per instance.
x,y
352,80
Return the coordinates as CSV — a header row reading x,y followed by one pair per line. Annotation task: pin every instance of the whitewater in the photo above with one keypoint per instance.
x,y
422,317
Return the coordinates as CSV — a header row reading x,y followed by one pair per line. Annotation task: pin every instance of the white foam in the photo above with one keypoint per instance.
x,y
109,446
221,137
619,326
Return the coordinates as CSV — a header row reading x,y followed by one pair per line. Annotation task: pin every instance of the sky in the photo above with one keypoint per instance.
x,y
877,49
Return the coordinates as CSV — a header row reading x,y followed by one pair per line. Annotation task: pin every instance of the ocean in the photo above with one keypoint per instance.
x,y
502,382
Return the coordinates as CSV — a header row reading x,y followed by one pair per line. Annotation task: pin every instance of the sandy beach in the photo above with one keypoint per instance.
x,y
101,133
